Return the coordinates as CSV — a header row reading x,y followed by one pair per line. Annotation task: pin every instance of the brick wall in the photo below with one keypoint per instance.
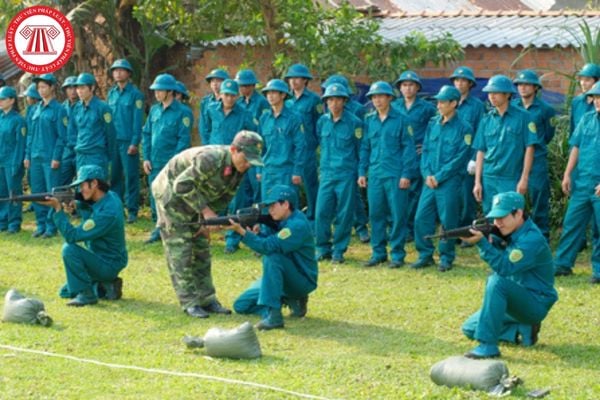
x,y
484,61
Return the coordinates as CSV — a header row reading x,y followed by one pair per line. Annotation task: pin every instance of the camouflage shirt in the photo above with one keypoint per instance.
x,y
192,180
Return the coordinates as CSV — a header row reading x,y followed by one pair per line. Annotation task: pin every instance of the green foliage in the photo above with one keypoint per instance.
x,y
369,333
558,155
589,43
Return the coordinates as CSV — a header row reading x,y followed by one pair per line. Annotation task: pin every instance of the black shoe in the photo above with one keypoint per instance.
x,y
374,261
154,237
563,271
444,266
230,249
535,330
422,263
48,235
83,299
324,257
594,280
395,264
196,312
298,307
37,234
216,308
338,260
132,218
111,290
364,238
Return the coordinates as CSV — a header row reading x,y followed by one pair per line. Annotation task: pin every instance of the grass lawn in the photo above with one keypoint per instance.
x,y
369,333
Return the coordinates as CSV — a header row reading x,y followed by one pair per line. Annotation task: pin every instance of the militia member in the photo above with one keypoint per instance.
x,y
505,143
13,131
584,191
520,291
529,86
44,150
309,108
289,267
388,154
340,133
126,102
195,185
166,133
93,269
214,79
446,149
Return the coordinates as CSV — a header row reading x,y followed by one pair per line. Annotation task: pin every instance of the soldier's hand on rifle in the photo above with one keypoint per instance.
x,y
51,202
476,237
237,227
69,207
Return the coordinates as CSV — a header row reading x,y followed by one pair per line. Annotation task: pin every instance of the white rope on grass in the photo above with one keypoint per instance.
x,y
164,372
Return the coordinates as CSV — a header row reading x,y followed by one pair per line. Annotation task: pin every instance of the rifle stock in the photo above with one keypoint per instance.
x,y
64,194
465,231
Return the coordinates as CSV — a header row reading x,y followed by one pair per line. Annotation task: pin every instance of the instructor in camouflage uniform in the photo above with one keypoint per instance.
x,y
195,185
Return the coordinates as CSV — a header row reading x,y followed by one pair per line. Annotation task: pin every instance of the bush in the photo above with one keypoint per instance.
x,y
558,155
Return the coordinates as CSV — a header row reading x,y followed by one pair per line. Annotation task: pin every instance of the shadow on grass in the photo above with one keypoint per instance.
x,y
373,339
575,354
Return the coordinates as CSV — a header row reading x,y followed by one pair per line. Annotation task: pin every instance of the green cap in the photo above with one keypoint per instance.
x,y
505,203
281,193
89,172
251,144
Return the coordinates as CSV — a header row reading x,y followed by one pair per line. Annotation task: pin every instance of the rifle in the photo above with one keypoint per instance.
x,y
484,226
246,217
64,194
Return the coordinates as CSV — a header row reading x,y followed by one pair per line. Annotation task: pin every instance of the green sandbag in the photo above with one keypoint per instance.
x,y
240,342
18,308
466,372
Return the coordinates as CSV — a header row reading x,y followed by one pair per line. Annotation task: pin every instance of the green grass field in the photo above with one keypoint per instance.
x,y
369,333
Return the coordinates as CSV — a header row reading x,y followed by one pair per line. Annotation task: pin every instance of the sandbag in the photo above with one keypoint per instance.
x,y
18,308
469,373
240,342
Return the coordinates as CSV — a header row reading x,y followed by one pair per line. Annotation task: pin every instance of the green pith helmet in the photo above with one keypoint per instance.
x,y
218,73
245,77
69,81
590,70
380,87
229,86
276,85
465,73
48,78
164,82
121,63
8,92
528,76
409,76
32,92
182,89
85,78
336,90
499,84
298,71
448,93
341,79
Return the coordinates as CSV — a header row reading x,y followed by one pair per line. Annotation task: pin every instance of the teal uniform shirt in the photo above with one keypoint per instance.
x,y
418,116
221,128
504,140
284,142
579,106
189,113
166,133
94,126
527,261
257,104
340,146
128,113
71,138
102,229
543,116
387,149
471,110
587,139
13,134
446,149
205,103
48,133
309,108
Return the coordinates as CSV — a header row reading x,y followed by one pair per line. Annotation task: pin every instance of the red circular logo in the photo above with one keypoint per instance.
x,y
40,39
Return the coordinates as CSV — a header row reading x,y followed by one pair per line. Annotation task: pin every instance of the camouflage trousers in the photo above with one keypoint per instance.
x,y
188,259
